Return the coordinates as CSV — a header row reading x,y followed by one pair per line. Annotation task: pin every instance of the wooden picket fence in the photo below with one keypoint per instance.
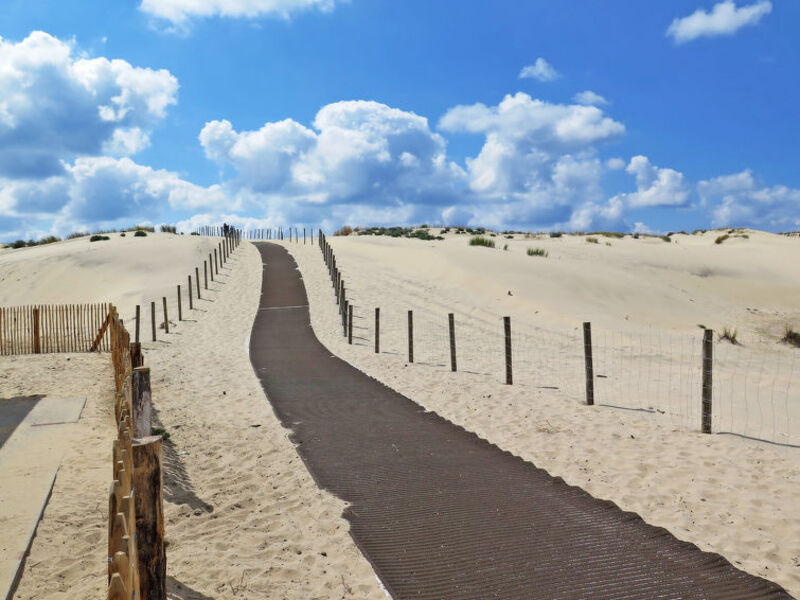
x,y
136,556
54,328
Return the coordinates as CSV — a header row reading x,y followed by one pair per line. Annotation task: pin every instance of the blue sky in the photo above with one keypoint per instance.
x,y
308,112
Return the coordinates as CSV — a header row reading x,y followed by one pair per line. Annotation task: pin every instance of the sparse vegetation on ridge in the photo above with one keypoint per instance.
x,y
481,241
791,337
729,335
537,252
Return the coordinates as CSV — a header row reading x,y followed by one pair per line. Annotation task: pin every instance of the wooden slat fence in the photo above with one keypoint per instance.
x,y
52,328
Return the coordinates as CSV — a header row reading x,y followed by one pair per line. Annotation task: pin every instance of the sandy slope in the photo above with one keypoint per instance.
x,y
725,493
244,519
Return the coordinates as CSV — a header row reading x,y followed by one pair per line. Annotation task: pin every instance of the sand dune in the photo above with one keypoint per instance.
x,y
726,493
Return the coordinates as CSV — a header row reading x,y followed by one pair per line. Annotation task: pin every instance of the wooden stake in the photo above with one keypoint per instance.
x,y
180,306
452,321
411,336
507,330
153,318
708,367
210,267
37,342
138,314
166,316
377,330
587,352
190,293
350,324
147,481
197,281
205,275
141,402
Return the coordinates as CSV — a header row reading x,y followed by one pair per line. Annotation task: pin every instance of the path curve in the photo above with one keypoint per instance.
x,y
442,514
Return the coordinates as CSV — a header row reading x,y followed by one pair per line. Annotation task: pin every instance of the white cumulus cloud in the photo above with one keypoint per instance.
x,y
656,186
725,18
179,12
589,98
56,105
541,70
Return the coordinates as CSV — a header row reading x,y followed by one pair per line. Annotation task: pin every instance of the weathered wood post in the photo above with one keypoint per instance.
x,y
587,352
350,324
149,504
190,293
411,336
166,316
153,318
507,330
377,330
210,267
138,315
37,340
141,402
197,281
216,261
452,322
708,367
180,306
137,359
205,275
345,306
304,236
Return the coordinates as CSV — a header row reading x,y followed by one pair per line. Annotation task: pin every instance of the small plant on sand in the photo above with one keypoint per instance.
x,y
481,241
344,230
140,233
505,247
122,234
556,234
729,335
791,337
721,239
665,238
98,238
169,229
592,240
77,234
537,252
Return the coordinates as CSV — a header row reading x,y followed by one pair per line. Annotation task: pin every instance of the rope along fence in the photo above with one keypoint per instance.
x,y
750,389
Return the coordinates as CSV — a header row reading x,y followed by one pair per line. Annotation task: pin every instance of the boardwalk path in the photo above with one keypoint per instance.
x,y
442,514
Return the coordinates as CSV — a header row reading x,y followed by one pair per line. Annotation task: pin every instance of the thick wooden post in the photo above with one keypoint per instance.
x,y
141,402
507,331
411,336
180,306
344,317
147,480
197,281
166,315
350,324
190,293
452,322
153,318
137,359
587,352
377,330
138,315
216,261
205,275
708,367
37,340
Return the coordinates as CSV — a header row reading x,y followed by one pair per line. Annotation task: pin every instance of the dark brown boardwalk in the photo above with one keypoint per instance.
x,y
441,513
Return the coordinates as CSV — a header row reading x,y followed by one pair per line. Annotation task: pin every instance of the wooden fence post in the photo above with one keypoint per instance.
x,y
141,402
507,330
708,366
344,317
197,281
216,261
377,330
137,359
166,316
37,340
149,503
205,275
411,336
452,321
138,315
210,267
153,318
304,236
350,324
587,352
190,293
180,307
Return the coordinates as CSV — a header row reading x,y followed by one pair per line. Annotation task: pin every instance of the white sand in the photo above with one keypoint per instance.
x,y
727,494
244,519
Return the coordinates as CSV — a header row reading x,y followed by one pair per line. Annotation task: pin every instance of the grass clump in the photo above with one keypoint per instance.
x,y
556,234
537,252
592,240
397,232
344,230
140,233
729,335
168,229
99,238
609,234
791,337
721,238
481,241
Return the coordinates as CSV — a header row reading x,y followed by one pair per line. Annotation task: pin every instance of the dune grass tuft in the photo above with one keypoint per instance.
x,y
99,238
592,240
140,233
791,337
537,252
721,239
729,335
481,241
